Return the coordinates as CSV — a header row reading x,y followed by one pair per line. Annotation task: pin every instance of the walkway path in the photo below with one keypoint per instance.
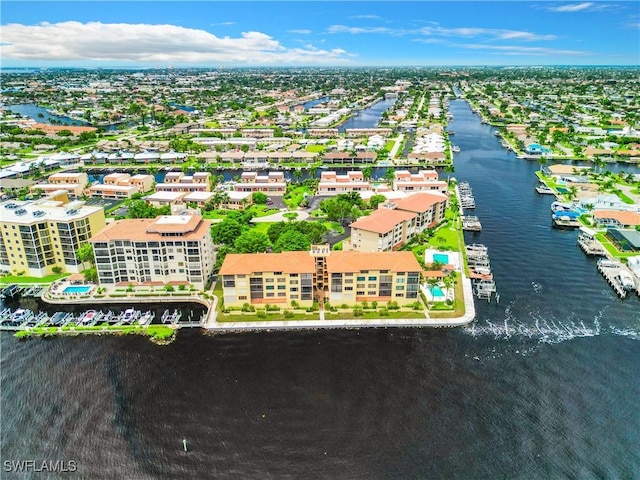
x,y
279,217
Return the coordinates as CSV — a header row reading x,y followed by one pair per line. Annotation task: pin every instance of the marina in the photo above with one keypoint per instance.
x,y
25,319
544,189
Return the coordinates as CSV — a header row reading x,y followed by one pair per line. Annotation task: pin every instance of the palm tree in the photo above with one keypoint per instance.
x,y
449,169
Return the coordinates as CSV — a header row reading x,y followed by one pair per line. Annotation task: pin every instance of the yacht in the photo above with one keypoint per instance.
x,y
455,149
11,291
88,317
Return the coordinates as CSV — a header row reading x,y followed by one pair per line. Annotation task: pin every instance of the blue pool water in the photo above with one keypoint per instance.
x,y
562,190
77,289
436,291
441,258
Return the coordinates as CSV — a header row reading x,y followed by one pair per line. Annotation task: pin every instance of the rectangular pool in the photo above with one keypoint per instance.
x,y
77,289
441,258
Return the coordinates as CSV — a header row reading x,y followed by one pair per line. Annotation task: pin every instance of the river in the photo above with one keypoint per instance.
x,y
543,385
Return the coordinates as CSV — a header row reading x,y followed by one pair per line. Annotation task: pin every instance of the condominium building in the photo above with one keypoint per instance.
x,y
320,274
332,183
273,183
396,222
121,186
39,236
179,182
168,249
73,182
424,180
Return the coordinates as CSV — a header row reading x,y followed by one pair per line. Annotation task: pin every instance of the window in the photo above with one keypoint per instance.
x,y
372,293
372,279
361,279
360,292
348,289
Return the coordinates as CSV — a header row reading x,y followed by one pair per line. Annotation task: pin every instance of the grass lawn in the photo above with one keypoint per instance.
x,y
293,198
213,215
262,226
445,237
262,210
315,148
271,317
374,315
611,248
160,332
23,279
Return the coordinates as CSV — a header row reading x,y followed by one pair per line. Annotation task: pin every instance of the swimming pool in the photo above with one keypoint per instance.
x,y
436,291
77,289
441,258
562,190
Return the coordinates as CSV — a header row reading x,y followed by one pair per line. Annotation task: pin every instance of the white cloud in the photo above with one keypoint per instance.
x,y
578,7
365,16
522,50
143,43
301,31
438,31
495,33
361,30
223,24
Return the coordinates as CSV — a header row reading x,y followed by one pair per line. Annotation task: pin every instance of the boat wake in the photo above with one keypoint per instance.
x,y
543,329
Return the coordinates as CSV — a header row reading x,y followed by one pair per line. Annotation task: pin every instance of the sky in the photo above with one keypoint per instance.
x,y
314,33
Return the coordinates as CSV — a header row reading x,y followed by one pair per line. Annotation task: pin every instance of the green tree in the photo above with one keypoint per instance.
x,y
91,275
389,176
376,200
259,198
251,241
226,232
367,172
291,240
85,253
140,209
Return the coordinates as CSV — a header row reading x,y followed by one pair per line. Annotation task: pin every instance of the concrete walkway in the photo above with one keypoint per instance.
x,y
279,217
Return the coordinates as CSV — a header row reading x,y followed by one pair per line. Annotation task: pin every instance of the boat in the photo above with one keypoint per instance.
x,y
11,291
20,316
87,317
455,148
60,319
626,280
544,189
129,315
146,317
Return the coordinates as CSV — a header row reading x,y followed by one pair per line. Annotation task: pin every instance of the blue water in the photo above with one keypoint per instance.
x,y
436,291
441,258
369,117
544,385
41,115
76,289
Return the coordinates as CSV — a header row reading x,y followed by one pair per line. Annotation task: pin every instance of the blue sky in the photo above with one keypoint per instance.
x,y
311,33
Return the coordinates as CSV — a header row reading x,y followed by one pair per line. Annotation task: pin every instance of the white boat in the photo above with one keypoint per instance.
x,y
129,315
542,188
455,149
626,280
21,315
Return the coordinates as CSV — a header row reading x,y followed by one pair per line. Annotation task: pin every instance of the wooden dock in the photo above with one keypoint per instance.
x,y
614,273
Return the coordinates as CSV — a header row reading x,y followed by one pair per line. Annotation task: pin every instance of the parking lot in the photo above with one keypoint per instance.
x,y
108,204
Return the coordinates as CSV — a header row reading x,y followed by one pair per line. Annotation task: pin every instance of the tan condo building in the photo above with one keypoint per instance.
x,y
171,249
396,223
322,275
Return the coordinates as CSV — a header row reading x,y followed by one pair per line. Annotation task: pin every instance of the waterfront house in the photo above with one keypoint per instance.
x,y
272,184
353,181
424,180
616,218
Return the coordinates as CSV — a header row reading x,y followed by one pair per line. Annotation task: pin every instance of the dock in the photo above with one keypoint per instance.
x,y
589,244
467,200
480,272
25,319
471,224
618,276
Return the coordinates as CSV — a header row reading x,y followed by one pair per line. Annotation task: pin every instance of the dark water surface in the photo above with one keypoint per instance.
x,y
544,385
